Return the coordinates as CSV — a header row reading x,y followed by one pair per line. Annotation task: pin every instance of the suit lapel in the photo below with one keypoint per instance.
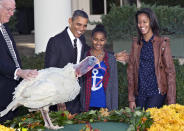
x,y
13,43
3,43
68,40
69,46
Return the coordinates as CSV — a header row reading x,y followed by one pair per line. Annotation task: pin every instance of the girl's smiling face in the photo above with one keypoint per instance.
x,y
144,25
98,41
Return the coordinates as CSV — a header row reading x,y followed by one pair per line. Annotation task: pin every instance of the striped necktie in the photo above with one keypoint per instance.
x,y
10,46
75,51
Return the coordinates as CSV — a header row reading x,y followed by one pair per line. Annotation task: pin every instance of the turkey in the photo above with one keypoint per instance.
x,y
50,87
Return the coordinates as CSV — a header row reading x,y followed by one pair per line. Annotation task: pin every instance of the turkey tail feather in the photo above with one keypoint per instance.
x,y
11,106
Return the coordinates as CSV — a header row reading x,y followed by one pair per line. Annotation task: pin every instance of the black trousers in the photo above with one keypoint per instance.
x,y
156,100
94,108
74,105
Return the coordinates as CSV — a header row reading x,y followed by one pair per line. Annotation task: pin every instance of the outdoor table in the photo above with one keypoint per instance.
x,y
102,126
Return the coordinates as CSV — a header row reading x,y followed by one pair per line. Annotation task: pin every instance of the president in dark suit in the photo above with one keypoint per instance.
x,y
10,65
69,47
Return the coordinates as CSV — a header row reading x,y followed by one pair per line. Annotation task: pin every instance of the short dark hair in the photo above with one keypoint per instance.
x,y
81,13
99,28
153,21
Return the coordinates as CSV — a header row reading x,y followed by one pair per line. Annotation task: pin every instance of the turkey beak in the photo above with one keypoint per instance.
x,y
77,75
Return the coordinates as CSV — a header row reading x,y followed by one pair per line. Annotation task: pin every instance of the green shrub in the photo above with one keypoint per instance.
x,y
123,86
170,19
33,62
179,83
165,2
120,21
37,62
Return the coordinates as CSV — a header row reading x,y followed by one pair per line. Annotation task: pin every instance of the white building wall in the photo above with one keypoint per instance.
x,y
51,17
85,5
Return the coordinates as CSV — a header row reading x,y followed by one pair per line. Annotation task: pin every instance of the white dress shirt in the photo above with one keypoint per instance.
x,y
79,44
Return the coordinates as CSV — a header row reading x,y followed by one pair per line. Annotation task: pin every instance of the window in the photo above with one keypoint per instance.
x,y
97,6
102,6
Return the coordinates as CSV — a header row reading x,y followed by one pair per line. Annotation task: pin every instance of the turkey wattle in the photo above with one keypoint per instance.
x,y
50,87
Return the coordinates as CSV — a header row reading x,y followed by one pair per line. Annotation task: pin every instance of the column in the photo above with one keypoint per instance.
x,y
50,17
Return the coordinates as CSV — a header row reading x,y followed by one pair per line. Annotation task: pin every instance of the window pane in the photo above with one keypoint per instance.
x,y
97,6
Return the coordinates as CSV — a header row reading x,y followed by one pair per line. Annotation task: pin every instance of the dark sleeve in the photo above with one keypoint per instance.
x,y
52,54
7,70
114,83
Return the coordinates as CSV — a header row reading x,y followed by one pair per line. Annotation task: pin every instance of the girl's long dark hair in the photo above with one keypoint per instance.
x,y
153,22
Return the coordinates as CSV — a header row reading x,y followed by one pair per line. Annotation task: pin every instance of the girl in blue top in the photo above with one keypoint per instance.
x,y
100,85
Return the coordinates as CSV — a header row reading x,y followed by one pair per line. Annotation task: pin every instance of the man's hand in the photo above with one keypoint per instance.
x,y
27,74
122,56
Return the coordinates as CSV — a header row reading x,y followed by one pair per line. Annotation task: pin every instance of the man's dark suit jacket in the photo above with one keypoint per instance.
x,y
59,52
7,70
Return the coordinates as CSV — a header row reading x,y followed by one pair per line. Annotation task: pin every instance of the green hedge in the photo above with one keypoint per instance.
x,y
179,83
120,21
165,2
37,62
33,62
